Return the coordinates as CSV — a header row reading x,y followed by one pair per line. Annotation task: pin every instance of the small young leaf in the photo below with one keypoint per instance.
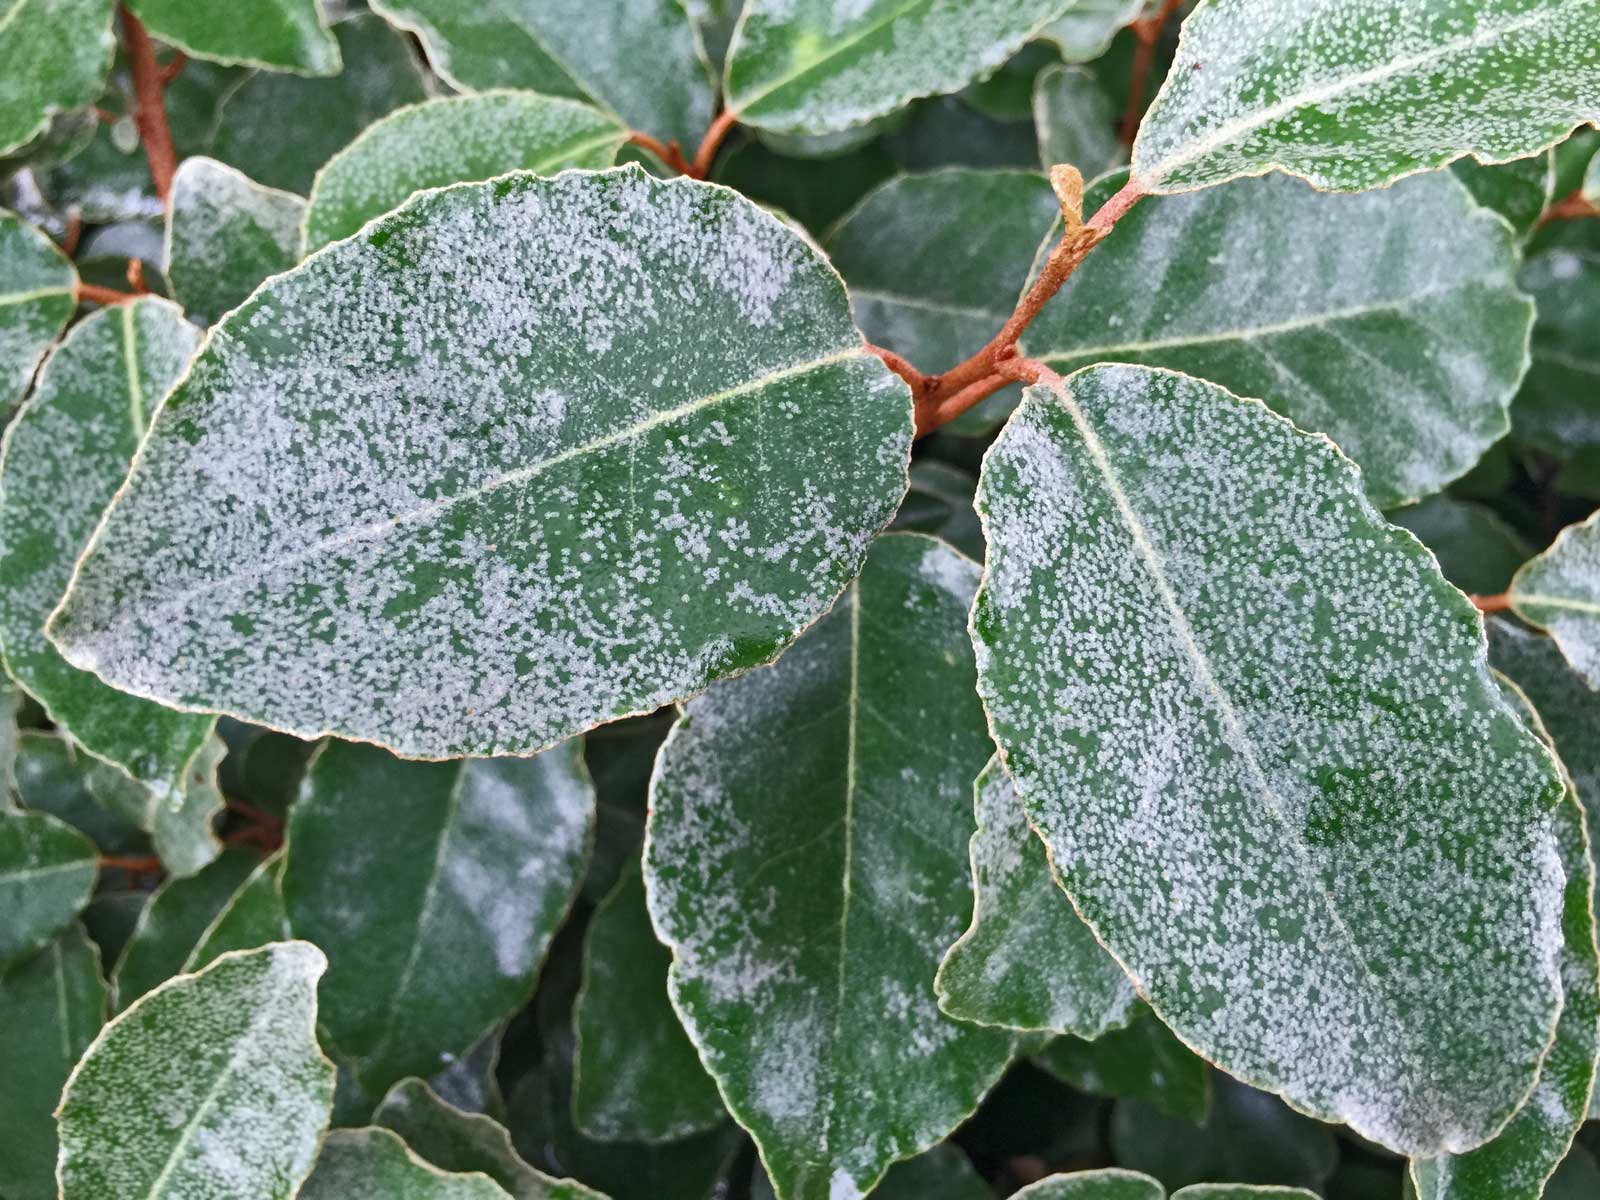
x,y
1356,94
456,1141
51,1006
636,1077
57,53
212,1085
1076,121
1026,962
47,873
225,234
278,35
1555,409
63,458
818,67
253,916
37,284
472,862
1084,32
1519,190
374,1164
1559,591
640,61
805,861
1107,1183
1178,595
1477,551
1141,1062
1389,321
542,452
460,139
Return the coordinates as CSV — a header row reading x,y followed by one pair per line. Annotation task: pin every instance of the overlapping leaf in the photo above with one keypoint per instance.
x,y
1555,409
1303,818
37,283
280,35
1389,321
1143,1061
1477,551
1560,591
47,872
806,864
1519,190
540,453
56,53
1076,121
253,916
1354,94
374,1164
943,1173
180,819
1085,29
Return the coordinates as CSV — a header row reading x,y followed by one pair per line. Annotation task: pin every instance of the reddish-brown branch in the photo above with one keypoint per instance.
x,y
173,68
136,277
1570,208
933,414
1146,33
150,112
706,154
142,865
71,234
93,293
1499,602
669,153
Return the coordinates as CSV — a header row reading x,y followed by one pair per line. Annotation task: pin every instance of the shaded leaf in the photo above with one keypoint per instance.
x,y
472,862
1107,1183
1564,699
110,919
620,758
658,507
940,503
253,916
456,1141
225,234
47,872
1334,873
805,863
456,140
1389,321
1519,190
471,1083
942,1173
572,48
57,53
279,35
947,132
1555,409
180,821
211,1085
1477,551
51,1006
816,198
374,1164
63,458
1026,962
1142,1062
1084,32
1076,121
1356,95
1559,591
37,285
52,776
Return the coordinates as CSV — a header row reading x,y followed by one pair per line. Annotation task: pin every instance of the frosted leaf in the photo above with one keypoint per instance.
x,y
1084,32
51,1006
179,819
1556,409
61,462
1590,188
820,66
1143,1061
1519,190
1389,321
210,1088
1516,1164
56,55
1026,962
253,916
637,59
806,863
1353,94
524,457
1241,1191
460,139
52,777
1108,1183
1559,591
225,234
174,919
456,1141
1477,551
278,35
10,701
1076,121
394,867
47,873
942,1173
374,1164
1256,730
635,1074
37,285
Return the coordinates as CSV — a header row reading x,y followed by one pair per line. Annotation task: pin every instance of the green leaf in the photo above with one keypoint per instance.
x,y
211,1085
470,862
1355,95
818,67
1516,1164
1141,1062
947,132
640,61
1590,188
805,863
37,286
253,916
636,1077
374,1164
940,503
1477,551
225,234
47,873
1559,591
814,197
1108,1183
1555,409
1519,190
52,776
1076,121
51,1006
1250,777
667,453
10,734
460,139
57,53
1084,32
1026,962
278,129
1564,699
456,1141
63,459
1241,1191
277,35
180,821
1389,321
175,918
943,1173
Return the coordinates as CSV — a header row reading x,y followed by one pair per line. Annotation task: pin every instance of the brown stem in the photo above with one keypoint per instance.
x,y
71,235
136,277
1146,33
173,68
1499,602
1570,208
932,415
150,112
148,863
669,153
710,144
92,293
902,367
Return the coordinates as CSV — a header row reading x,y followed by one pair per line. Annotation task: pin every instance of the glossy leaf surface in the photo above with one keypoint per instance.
x,y
253,916
1142,1061
280,35
47,872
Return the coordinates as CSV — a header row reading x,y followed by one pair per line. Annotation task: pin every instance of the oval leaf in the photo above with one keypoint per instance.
x,y
1084,32
541,452
1108,1183
1560,591
212,1085
1076,121
1353,94
37,286
1142,1062
47,873
253,916
374,1164
1555,410
57,53
1255,728
805,863
280,35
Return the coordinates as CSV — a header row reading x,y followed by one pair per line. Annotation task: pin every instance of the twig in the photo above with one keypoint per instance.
x,y
1500,602
138,865
72,233
150,111
173,68
92,293
136,277
710,144
1147,33
1570,208
669,153
931,416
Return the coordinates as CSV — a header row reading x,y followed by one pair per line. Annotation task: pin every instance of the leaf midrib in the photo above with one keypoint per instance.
x,y
841,989
1558,602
